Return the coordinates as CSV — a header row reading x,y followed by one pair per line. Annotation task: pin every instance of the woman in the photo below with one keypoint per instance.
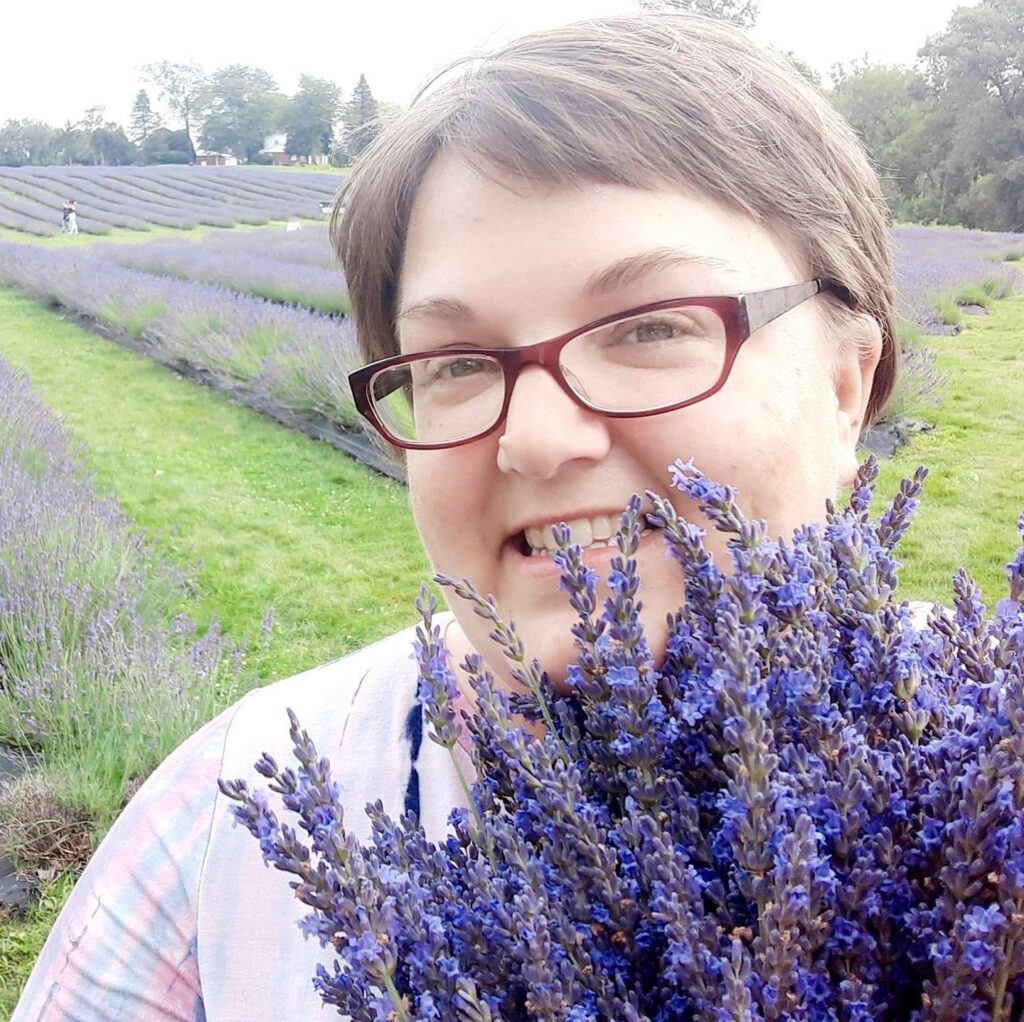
x,y
588,187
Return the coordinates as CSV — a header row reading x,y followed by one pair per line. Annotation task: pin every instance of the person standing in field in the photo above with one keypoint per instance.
x,y
64,214
72,217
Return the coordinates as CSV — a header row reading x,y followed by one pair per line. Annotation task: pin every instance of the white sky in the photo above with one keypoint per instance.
x,y
61,57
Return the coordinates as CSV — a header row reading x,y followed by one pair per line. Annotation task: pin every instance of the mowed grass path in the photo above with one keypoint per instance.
x,y
274,519
974,492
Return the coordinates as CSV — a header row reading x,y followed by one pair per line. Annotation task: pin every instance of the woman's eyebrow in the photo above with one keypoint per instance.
x,y
630,269
439,307
620,273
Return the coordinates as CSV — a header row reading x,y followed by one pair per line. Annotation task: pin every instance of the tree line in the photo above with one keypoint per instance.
x,y
230,111
946,134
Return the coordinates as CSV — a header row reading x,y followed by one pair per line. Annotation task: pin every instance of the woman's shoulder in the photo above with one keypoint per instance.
x,y
369,693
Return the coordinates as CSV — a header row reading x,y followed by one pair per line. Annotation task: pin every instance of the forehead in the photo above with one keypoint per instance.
x,y
478,235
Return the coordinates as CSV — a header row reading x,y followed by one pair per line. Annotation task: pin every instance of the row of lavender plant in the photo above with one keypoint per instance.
x,y
100,672
310,246
288,356
253,267
933,265
936,264
136,198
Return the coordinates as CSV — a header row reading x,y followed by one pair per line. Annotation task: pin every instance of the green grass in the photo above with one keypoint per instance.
x,y
975,456
273,519
21,940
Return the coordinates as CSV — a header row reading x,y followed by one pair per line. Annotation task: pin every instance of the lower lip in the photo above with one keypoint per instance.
x,y
597,558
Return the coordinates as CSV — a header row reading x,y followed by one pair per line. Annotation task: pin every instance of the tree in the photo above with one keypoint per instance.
x,y
111,147
887,106
144,120
362,119
740,12
800,65
165,146
241,103
28,143
975,68
181,88
310,116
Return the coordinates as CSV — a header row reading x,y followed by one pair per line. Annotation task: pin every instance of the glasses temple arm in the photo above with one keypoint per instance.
x,y
762,307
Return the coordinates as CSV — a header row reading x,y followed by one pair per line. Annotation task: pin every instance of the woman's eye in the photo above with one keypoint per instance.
x,y
660,330
461,367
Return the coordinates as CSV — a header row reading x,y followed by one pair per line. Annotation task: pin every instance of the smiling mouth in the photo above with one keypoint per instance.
x,y
596,533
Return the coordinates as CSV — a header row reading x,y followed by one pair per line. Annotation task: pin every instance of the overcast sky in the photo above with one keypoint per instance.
x,y
60,58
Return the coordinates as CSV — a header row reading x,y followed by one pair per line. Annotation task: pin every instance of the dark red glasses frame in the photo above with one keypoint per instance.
x,y
741,314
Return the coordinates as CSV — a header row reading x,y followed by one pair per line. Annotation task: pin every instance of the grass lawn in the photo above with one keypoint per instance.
x,y
975,455
274,519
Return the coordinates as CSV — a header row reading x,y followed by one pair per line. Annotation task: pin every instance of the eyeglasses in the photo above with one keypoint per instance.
x,y
648,360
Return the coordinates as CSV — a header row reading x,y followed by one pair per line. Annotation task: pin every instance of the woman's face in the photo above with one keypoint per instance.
x,y
510,263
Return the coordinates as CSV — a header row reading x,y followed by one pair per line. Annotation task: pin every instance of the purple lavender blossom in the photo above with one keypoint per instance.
x,y
289,356
810,808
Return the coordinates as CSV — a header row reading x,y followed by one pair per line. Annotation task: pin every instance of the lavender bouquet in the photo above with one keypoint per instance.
x,y
810,809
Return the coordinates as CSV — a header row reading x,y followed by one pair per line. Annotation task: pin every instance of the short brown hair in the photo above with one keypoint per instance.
x,y
644,100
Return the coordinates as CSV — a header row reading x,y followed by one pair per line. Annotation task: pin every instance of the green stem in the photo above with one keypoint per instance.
x,y
486,845
1002,977
396,999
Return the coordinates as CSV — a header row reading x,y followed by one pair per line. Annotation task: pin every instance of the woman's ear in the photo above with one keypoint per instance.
x,y
858,349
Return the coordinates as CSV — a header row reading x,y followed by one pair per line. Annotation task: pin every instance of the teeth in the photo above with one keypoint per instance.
x,y
602,526
593,532
581,531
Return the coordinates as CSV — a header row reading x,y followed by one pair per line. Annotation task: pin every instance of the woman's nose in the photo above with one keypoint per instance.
x,y
545,429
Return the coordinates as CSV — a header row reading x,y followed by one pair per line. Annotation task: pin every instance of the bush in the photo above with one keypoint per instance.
x,y
169,156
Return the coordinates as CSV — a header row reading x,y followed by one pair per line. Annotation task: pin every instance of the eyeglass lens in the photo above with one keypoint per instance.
x,y
639,364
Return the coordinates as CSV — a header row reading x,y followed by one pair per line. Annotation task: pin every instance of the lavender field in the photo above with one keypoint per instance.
x,y
289,356
937,265
140,198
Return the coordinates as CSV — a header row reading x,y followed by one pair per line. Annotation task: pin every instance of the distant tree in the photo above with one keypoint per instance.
x,y
802,66
975,68
310,117
93,119
888,107
387,112
111,146
181,88
361,120
28,142
739,12
241,103
165,146
73,144
144,120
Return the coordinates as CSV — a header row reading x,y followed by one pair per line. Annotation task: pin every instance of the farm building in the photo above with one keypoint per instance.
x,y
208,159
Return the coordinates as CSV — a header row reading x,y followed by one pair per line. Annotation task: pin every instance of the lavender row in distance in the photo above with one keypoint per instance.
x,y
290,357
